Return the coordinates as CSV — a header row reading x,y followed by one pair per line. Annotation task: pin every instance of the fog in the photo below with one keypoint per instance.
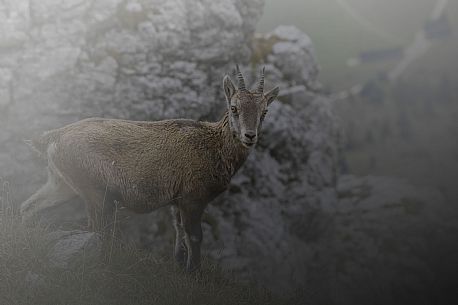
x,y
421,99
342,29
349,197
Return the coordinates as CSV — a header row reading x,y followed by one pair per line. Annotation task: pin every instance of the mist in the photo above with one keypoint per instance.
x,y
404,127
349,196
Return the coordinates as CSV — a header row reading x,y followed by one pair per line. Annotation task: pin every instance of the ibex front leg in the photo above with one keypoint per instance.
x,y
191,220
180,250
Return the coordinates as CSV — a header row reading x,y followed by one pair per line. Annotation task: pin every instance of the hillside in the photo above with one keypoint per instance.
x,y
338,35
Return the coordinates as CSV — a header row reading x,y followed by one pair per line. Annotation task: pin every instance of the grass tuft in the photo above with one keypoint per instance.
x,y
127,276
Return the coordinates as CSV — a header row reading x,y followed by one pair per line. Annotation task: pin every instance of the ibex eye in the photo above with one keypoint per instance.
x,y
263,115
234,109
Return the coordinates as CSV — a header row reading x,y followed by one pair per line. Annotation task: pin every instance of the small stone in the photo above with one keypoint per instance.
x,y
71,246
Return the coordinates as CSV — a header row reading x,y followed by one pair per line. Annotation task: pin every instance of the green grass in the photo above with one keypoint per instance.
x,y
130,276
337,36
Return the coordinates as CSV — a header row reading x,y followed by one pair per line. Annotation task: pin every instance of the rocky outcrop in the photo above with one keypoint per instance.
x,y
148,60
63,61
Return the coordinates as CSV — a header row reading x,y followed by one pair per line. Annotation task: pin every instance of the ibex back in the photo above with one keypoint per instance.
x,y
147,165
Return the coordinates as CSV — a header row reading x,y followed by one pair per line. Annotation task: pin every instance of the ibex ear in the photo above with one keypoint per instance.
x,y
229,88
272,95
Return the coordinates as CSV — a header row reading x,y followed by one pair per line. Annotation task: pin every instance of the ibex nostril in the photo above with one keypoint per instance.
x,y
250,136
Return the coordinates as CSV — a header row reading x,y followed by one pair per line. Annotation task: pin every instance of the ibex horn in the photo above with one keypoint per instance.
x,y
261,82
242,86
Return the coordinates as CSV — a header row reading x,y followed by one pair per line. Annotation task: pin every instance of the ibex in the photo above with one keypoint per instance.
x,y
147,165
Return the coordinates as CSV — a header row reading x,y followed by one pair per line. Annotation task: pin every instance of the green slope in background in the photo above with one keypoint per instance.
x,y
338,36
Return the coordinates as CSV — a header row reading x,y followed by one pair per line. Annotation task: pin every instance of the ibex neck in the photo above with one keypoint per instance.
x,y
233,153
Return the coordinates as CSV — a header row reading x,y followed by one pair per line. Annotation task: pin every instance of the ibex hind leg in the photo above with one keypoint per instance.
x,y
99,203
54,192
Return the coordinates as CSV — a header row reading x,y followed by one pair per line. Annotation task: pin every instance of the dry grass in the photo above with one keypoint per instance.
x,y
130,276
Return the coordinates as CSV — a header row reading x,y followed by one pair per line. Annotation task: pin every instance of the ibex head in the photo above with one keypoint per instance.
x,y
247,109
